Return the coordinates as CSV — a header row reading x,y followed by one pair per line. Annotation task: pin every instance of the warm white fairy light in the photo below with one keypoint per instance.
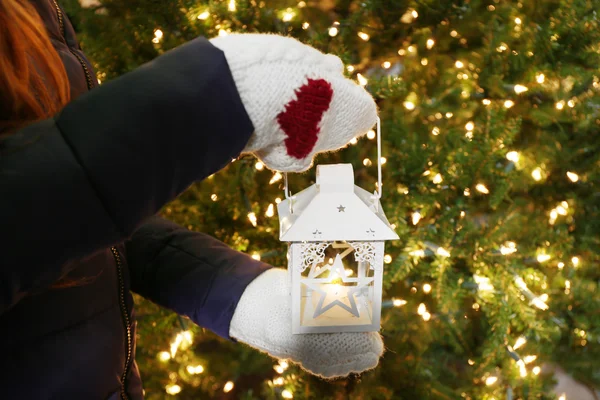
x,y
562,397
409,105
426,316
509,103
437,179
364,36
422,309
536,174
520,342
522,368
333,31
553,217
567,287
430,43
508,248
482,188
529,359
277,200
387,259
453,33
353,141
279,369
490,380
518,21
442,252
540,78
228,387
575,261
158,34
426,288
361,79
539,303
223,32
305,25
483,283
275,178
231,6
520,89
270,210
536,370
398,302
195,370
204,15
459,64
252,218
469,135
214,197
278,381
435,131
173,389
571,103
288,15
367,162
371,134
418,253
256,256
286,394
573,177
560,105
383,160
349,272
259,166
164,356
401,52
386,64
301,4
560,265
486,102
412,49
470,126
543,257
513,156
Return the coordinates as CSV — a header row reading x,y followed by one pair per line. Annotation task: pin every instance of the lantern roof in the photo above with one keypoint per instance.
x,y
333,209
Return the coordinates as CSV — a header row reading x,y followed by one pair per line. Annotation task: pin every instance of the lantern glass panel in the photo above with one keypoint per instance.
x,y
336,286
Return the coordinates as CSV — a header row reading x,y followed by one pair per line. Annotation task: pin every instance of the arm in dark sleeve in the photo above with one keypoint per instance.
x,y
86,179
190,273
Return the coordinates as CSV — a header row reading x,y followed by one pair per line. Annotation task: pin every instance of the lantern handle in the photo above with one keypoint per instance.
x,y
289,197
379,182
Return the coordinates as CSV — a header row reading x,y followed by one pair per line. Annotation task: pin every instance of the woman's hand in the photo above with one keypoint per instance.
x,y
298,99
263,320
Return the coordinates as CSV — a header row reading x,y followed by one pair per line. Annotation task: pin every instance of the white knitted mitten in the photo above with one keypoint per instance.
x,y
263,320
298,99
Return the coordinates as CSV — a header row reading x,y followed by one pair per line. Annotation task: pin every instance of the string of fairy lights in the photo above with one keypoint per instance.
x,y
464,71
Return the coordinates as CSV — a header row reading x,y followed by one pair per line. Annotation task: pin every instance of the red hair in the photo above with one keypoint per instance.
x,y
33,81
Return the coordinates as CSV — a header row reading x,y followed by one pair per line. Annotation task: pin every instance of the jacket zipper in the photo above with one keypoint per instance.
x,y
126,322
122,305
61,24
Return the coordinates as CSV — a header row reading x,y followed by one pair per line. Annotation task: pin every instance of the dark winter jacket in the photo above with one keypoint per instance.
x,y
78,194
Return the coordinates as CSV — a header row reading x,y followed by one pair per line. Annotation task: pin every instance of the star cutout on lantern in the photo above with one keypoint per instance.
x,y
371,232
317,233
336,294
341,208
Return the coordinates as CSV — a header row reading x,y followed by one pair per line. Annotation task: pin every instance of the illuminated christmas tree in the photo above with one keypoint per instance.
x,y
491,125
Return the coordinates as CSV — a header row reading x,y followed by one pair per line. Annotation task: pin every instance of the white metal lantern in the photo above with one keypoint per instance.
x,y
336,232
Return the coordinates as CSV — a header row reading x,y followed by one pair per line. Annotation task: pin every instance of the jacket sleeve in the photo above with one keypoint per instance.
x,y
86,179
190,273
